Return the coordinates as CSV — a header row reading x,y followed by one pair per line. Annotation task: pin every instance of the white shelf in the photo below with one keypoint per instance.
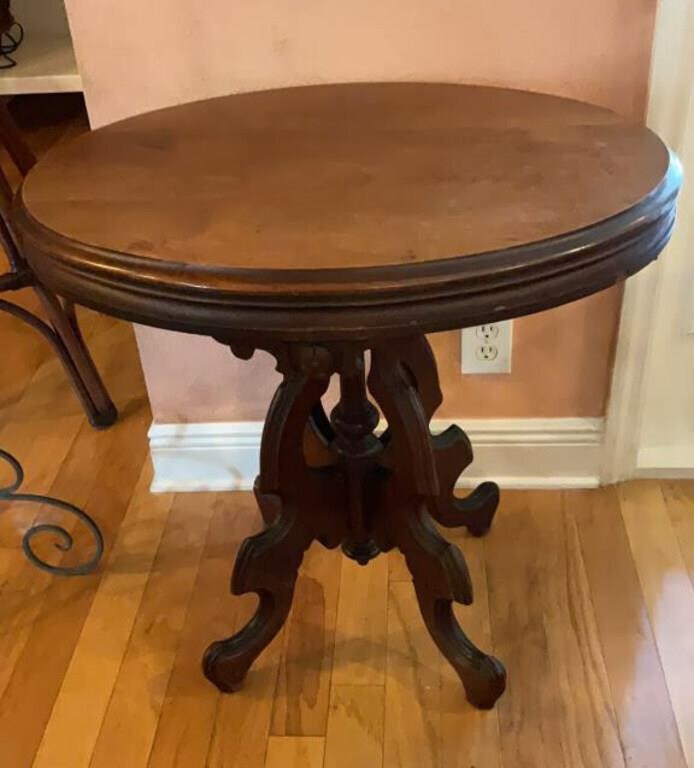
x,y
44,65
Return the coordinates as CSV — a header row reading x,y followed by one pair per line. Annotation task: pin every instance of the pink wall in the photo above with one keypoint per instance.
x,y
135,56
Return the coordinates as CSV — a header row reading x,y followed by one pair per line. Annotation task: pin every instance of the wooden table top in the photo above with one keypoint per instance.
x,y
307,208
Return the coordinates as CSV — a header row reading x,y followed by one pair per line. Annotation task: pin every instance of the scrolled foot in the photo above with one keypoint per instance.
x,y
478,509
440,578
219,667
267,564
291,496
483,676
226,662
421,475
452,453
484,691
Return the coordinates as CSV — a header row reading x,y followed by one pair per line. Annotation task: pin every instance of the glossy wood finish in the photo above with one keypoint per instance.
x,y
380,206
170,571
317,224
346,176
369,495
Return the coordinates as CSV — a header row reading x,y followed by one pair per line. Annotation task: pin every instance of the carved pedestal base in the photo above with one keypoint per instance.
x,y
363,492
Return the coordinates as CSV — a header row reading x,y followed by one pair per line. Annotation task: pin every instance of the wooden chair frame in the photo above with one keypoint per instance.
x,y
61,329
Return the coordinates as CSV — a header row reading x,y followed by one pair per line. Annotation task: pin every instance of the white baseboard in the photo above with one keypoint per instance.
x,y
666,461
516,453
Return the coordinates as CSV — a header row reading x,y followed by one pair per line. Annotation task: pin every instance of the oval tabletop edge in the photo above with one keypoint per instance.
x,y
444,158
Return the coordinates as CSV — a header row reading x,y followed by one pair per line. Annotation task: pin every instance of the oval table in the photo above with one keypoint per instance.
x,y
321,222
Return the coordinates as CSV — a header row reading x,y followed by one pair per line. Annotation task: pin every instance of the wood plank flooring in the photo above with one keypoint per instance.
x,y
587,596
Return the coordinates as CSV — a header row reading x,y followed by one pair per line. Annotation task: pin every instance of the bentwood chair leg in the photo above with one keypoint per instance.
x,y
77,361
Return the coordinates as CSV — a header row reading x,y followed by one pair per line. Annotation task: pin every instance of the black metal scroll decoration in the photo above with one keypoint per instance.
x,y
64,541
10,40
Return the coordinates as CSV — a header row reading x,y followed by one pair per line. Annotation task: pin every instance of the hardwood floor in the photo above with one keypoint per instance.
x,y
587,596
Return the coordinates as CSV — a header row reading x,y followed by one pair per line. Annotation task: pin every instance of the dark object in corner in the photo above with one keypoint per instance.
x,y
6,17
61,330
11,35
64,336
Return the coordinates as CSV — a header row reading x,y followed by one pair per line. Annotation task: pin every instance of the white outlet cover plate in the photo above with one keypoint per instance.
x,y
475,342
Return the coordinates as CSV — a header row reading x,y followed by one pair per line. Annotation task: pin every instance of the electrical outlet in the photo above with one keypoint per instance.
x,y
487,348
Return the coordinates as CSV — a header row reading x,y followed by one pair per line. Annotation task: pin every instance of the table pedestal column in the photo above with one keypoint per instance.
x,y
365,492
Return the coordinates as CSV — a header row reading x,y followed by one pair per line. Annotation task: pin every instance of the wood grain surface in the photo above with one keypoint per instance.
x,y
345,176
462,202
587,594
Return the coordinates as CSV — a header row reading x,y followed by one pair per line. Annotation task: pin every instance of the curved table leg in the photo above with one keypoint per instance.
x,y
452,449
374,494
268,564
482,676
441,577
289,497
438,568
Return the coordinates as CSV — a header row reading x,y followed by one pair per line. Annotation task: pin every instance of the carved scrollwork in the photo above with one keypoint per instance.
x,y
438,568
367,493
452,449
291,496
